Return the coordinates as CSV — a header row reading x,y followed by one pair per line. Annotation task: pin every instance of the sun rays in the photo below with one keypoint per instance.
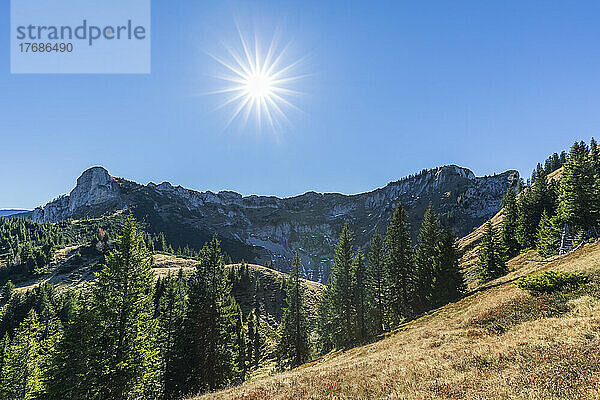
x,y
259,84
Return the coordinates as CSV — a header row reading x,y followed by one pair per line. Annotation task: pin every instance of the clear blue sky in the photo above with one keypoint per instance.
x,y
396,87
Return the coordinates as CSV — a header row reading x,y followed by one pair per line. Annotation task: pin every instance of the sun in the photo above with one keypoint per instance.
x,y
259,84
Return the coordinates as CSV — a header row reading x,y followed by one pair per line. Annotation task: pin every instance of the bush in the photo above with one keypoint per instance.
x,y
549,281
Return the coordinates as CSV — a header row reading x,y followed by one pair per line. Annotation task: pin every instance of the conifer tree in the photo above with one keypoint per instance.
x,y
576,189
377,283
22,377
595,190
325,326
125,356
250,341
448,283
171,312
241,339
72,372
425,260
508,235
359,274
594,156
293,346
257,340
548,236
399,266
4,345
532,202
208,350
490,264
341,296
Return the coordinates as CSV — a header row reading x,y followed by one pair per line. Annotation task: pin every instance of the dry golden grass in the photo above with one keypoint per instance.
x,y
451,354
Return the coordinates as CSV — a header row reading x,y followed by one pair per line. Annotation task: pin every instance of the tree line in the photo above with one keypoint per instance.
x,y
535,217
369,294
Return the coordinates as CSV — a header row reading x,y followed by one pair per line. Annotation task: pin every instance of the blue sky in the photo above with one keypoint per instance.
x,y
395,87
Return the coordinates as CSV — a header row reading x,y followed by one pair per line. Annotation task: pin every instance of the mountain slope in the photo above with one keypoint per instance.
x,y
266,228
499,342
469,244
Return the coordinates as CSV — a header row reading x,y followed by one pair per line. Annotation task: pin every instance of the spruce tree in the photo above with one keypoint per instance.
x,y
533,201
490,264
448,283
171,311
399,266
4,345
325,325
293,347
125,356
359,274
508,235
22,376
548,236
425,260
341,296
377,284
594,157
72,372
257,340
576,190
208,350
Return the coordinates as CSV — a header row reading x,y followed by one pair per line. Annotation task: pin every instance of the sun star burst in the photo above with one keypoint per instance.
x,y
259,85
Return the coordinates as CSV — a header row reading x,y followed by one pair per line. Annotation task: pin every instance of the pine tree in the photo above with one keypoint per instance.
x,y
125,357
325,326
399,266
490,265
4,345
359,275
508,235
341,296
22,376
293,347
257,340
533,201
595,190
207,349
448,283
425,260
71,372
548,236
171,311
377,283
7,291
576,189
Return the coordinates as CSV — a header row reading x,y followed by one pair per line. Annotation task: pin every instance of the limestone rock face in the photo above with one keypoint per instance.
x,y
96,193
267,228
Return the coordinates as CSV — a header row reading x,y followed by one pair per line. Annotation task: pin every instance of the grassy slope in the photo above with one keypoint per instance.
x,y
499,342
270,294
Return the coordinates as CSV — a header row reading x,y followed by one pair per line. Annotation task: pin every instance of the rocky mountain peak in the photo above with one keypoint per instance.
x,y
95,193
94,186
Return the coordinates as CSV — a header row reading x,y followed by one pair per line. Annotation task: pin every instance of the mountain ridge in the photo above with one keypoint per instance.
x,y
268,228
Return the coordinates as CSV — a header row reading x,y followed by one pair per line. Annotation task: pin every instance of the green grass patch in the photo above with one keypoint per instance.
x,y
551,281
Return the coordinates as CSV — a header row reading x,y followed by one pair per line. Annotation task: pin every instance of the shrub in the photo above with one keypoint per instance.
x,y
549,281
